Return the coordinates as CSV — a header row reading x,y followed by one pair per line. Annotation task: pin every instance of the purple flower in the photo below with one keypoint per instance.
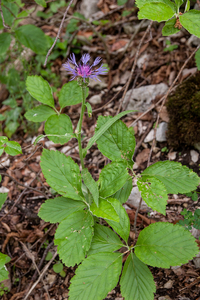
x,y
83,69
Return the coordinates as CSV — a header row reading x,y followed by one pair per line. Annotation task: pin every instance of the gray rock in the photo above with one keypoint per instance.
x,y
196,261
193,41
96,99
134,199
140,98
195,232
160,133
168,284
194,155
88,8
164,298
3,189
172,155
97,85
4,163
142,60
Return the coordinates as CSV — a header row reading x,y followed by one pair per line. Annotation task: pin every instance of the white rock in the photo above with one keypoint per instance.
x,y
172,155
194,155
96,99
97,85
34,138
168,284
89,8
4,163
193,41
195,232
49,144
65,149
196,261
134,198
160,133
140,98
142,60
3,189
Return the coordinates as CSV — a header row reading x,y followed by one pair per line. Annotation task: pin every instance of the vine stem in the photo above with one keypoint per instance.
x,y
80,125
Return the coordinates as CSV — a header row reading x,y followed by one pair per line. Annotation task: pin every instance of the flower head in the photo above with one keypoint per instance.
x,y
83,69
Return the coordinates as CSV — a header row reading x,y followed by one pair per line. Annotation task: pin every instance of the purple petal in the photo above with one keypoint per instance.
x,y
72,59
85,58
96,62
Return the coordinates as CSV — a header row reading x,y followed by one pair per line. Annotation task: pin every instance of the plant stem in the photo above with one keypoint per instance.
x,y
80,125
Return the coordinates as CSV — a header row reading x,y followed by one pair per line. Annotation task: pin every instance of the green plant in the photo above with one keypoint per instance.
x,y
82,202
190,219
197,59
4,259
3,289
170,47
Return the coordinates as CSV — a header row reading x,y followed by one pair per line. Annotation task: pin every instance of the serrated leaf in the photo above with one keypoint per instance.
x,y
112,178
105,210
123,194
13,148
71,94
156,11
40,90
164,245
61,207
4,259
169,28
197,59
141,3
154,193
3,140
117,142
91,184
175,177
96,276
104,240
123,226
58,267
41,2
62,174
59,125
103,129
3,197
190,21
73,237
5,40
9,12
32,37
137,280
40,113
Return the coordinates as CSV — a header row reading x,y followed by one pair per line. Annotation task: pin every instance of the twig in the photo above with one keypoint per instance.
x,y
41,275
164,99
58,34
134,65
4,24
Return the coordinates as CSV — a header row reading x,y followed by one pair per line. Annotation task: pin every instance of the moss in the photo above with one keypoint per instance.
x,y
183,107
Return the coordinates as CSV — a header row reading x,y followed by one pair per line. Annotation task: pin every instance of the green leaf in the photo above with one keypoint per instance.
x,y
61,207
123,226
112,178
43,4
96,276
190,20
3,140
5,40
3,197
104,240
10,128
169,28
13,148
4,259
40,90
32,37
62,174
141,3
91,184
154,193
164,245
49,256
103,129
1,150
118,142
157,11
123,194
39,113
197,59
105,210
175,177
73,237
59,125
39,137
9,12
137,280
121,2
187,6
89,109
58,267
71,94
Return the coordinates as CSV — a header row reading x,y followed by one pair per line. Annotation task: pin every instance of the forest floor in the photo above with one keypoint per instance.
x,y
24,236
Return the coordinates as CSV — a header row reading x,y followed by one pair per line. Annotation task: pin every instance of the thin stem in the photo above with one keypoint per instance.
x,y
80,125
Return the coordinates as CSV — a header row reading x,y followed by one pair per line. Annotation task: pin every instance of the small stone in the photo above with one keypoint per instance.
x,y
134,198
160,133
97,85
195,232
193,41
194,155
4,163
168,284
3,189
142,60
164,298
65,149
196,261
172,155
88,10
96,99
49,144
